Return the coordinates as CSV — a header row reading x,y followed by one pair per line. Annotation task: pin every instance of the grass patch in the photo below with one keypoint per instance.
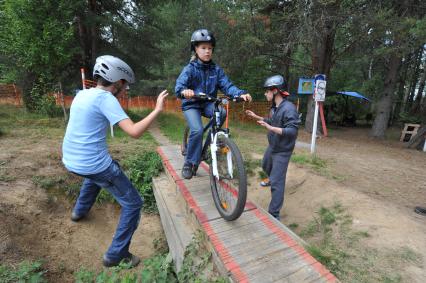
x,y
4,176
343,250
314,162
68,184
13,117
172,126
26,272
293,226
140,169
251,165
47,182
197,267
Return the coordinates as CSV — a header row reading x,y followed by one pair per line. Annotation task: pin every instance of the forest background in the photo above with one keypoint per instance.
x,y
374,47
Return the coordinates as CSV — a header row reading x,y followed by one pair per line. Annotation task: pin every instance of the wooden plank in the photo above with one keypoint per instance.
x,y
173,218
306,274
197,182
259,248
281,226
271,268
244,233
222,225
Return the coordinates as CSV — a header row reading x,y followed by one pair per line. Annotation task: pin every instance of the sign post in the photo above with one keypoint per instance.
x,y
83,78
319,96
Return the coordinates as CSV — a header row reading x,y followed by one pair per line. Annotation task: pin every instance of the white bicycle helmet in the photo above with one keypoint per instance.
x,y
113,69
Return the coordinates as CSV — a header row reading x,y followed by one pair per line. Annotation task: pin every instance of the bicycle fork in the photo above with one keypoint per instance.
x,y
214,148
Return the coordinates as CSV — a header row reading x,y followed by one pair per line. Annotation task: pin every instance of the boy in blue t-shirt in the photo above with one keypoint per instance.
x,y
85,151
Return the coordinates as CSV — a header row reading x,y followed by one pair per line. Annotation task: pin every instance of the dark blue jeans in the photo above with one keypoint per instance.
x,y
193,118
275,166
116,182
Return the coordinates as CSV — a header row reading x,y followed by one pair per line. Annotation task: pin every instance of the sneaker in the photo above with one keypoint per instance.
x,y
132,260
187,171
265,183
75,217
420,210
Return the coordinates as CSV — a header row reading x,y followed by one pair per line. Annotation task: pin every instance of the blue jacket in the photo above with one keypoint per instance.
x,y
205,78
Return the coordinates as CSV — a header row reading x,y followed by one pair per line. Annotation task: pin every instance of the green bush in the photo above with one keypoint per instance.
x,y
196,267
405,117
37,99
47,106
141,168
25,272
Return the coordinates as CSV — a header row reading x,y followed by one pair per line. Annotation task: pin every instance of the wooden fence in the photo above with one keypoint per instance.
x,y
171,105
10,94
236,110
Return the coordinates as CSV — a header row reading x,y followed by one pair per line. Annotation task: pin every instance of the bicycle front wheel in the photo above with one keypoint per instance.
x,y
229,181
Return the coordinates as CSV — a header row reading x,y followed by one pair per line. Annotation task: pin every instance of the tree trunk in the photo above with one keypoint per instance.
x,y
94,30
417,103
82,36
399,106
423,111
414,79
321,64
322,48
405,87
384,105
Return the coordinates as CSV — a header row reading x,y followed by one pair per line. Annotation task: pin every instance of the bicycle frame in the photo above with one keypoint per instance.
x,y
215,131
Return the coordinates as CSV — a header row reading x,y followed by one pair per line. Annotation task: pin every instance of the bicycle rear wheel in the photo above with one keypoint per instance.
x,y
229,187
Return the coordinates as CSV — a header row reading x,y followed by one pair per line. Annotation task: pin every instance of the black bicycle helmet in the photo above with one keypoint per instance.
x,y
202,35
276,81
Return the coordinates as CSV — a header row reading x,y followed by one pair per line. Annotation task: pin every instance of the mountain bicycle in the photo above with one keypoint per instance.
x,y
228,179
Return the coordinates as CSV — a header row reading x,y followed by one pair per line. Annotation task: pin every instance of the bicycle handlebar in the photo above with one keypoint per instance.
x,y
204,97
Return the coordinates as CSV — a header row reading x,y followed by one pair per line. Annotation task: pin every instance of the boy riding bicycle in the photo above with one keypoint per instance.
x,y
282,126
201,75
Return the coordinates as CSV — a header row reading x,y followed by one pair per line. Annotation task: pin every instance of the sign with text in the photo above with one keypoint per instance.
x,y
320,84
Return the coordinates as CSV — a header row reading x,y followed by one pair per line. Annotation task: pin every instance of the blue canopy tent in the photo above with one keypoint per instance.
x,y
353,94
348,117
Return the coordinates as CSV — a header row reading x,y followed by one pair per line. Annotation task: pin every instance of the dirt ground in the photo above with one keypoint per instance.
x,y
377,182
35,223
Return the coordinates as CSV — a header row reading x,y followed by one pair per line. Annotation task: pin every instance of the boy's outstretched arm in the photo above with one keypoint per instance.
x,y
253,115
135,130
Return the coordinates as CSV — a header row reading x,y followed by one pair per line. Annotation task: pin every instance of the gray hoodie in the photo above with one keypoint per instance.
x,y
284,116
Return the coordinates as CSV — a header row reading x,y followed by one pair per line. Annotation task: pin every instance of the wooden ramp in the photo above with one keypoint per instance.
x,y
254,248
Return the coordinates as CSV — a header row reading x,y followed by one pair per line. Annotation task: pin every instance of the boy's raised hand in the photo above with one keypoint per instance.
x,y
160,100
246,97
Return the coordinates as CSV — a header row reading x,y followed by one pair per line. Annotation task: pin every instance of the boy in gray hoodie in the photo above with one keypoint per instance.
x,y
282,126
